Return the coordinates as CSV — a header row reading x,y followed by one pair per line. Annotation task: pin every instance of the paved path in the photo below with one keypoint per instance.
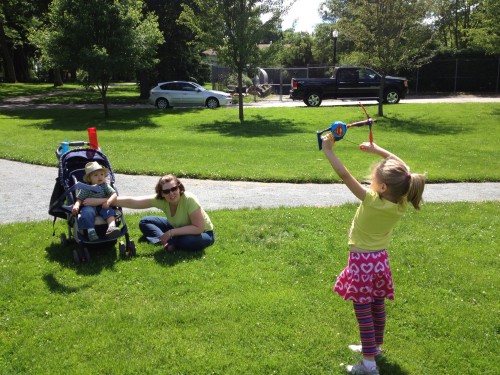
x,y
37,182
26,102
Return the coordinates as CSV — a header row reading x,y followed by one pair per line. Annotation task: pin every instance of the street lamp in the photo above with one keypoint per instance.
x,y
335,34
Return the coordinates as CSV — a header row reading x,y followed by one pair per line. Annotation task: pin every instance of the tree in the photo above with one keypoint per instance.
x,y
233,29
468,25
102,38
16,18
390,35
179,58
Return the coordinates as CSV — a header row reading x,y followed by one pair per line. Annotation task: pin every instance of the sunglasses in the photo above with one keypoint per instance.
x,y
171,190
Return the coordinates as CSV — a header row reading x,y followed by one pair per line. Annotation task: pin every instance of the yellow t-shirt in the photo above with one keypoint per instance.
x,y
374,221
188,203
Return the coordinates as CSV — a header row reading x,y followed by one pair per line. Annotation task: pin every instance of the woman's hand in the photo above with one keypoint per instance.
x,y
94,202
167,236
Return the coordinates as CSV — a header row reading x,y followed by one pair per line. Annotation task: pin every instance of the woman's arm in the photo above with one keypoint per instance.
x,y
354,185
133,202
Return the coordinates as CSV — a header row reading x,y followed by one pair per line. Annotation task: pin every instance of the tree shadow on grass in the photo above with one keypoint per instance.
x,y
81,119
258,126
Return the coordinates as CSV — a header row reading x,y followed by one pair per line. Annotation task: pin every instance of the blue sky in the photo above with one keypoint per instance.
x,y
306,13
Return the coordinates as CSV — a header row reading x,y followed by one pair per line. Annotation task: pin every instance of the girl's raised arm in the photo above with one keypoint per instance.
x,y
354,185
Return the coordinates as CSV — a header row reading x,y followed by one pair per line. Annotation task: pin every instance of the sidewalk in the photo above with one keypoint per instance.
x,y
27,197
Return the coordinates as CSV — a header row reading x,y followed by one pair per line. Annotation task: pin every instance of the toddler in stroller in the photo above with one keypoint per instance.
x,y
95,174
77,167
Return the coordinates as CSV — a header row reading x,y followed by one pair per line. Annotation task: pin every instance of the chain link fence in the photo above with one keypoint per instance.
x,y
440,76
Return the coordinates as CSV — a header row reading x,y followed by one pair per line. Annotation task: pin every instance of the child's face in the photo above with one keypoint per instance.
x,y
97,177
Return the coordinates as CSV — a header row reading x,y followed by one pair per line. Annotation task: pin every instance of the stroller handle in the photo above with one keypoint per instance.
x,y
70,144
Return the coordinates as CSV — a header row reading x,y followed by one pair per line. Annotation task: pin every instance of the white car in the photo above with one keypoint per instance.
x,y
183,93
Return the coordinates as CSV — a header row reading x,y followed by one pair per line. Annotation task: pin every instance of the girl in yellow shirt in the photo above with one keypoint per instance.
x,y
367,279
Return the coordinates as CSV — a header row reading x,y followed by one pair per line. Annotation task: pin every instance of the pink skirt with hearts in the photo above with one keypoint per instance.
x,y
367,277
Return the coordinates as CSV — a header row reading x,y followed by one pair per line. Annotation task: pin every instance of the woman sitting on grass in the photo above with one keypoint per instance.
x,y
367,279
186,225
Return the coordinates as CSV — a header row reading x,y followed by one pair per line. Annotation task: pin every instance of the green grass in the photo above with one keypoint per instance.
x,y
259,301
451,142
11,90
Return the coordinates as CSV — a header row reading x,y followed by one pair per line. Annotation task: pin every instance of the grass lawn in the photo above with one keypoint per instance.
x,y
451,142
259,301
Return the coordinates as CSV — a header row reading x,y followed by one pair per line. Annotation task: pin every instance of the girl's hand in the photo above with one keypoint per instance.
x,y
328,142
74,210
371,148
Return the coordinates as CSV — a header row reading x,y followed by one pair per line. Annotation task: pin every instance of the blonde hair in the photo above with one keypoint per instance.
x,y
401,184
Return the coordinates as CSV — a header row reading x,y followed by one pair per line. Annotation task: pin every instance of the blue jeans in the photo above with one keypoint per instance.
x,y
86,219
152,227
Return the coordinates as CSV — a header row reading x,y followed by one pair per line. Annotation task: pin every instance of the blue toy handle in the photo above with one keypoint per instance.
x,y
338,129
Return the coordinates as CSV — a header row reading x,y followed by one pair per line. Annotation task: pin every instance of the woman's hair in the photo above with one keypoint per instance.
x,y
401,184
165,179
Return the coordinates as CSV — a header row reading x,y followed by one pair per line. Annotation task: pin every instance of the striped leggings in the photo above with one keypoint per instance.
x,y
371,321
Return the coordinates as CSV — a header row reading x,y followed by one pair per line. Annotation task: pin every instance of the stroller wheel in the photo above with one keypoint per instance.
x,y
131,248
123,249
76,256
86,254
64,240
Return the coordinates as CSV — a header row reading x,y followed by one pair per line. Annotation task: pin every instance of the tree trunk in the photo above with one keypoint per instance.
x,y
240,95
381,97
103,89
10,72
144,83
57,78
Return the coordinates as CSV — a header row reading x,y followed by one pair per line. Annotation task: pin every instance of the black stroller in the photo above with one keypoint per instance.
x,y
69,180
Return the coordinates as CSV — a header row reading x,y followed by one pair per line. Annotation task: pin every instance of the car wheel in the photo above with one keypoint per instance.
x,y
313,100
392,97
212,103
162,103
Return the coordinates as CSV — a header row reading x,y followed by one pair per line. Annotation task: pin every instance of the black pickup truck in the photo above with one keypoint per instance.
x,y
348,82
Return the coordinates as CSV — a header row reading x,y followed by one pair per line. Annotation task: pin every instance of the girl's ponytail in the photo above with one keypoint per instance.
x,y
416,189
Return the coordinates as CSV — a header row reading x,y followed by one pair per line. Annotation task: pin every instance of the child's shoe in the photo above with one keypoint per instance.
x,y
361,369
92,235
113,232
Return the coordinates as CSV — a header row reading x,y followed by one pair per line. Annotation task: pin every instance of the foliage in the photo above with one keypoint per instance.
x,y
16,18
233,30
115,40
388,35
295,49
258,301
468,25
179,58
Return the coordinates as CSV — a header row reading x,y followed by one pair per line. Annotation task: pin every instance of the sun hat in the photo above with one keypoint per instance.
x,y
92,167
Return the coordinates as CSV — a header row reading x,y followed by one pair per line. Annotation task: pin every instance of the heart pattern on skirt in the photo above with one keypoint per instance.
x,y
367,276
